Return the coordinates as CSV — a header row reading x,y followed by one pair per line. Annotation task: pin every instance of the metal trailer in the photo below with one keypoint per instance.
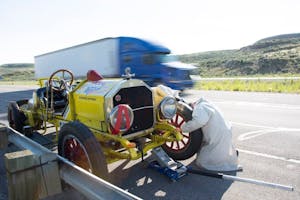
x,y
100,54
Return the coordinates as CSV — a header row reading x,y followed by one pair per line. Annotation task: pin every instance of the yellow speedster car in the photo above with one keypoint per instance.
x,y
100,121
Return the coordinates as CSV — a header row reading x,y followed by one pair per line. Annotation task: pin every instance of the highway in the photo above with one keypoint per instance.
x,y
266,130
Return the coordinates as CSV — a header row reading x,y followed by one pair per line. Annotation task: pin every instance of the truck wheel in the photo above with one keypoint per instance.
x,y
15,117
78,144
191,142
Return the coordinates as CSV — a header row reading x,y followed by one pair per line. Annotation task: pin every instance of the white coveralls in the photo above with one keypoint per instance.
x,y
217,152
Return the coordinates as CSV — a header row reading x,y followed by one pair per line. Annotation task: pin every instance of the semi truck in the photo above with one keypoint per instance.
x,y
149,61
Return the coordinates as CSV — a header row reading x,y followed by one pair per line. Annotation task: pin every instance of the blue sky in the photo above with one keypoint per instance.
x,y
34,27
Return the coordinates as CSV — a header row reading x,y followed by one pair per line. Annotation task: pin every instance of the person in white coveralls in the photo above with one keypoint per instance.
x,y
217,152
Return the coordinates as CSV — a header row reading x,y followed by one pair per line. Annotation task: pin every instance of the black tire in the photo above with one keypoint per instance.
x,y
191,143
82,139
15,117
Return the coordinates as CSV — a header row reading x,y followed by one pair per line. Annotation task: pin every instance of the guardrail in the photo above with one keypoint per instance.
x,y
86,183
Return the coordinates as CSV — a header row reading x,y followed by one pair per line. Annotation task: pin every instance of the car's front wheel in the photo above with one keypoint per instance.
x,y
78,144
191,142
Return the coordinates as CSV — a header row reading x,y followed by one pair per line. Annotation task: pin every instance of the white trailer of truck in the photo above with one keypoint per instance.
x,y
101,55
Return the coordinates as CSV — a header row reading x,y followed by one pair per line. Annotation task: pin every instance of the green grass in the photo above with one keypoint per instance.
x,y
281,86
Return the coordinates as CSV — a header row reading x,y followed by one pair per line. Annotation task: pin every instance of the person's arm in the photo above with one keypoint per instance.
x,y
200,117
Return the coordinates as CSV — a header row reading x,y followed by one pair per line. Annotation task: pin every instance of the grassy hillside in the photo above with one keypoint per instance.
x,y
274,55
17,72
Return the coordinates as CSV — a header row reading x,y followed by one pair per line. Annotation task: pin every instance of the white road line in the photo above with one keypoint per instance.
x,y
251,125
266,130
269,156
252,134
265,127
259,104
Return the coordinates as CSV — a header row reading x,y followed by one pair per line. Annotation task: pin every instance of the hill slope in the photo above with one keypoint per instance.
x,y
17,72
273,55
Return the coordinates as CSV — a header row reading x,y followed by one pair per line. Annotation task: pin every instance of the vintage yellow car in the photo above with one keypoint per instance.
x,y
100,121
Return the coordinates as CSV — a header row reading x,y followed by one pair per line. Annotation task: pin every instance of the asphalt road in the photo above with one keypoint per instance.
x,y
266,130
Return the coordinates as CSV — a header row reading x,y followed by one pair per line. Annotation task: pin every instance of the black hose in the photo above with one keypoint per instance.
x,y
205,173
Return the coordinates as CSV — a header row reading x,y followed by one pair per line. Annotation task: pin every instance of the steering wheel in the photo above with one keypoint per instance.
x,y
64,83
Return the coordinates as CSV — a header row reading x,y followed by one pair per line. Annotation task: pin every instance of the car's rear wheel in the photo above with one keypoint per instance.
x,y
78,144
15,117
191,142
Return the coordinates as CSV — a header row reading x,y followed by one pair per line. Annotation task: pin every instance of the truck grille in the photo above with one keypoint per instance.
x,y
140,100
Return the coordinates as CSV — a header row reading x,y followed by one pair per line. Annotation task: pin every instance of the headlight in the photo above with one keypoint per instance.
x,y
121,118
168,107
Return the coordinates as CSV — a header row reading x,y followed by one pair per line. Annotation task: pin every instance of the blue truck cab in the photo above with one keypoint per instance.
x,y
154,64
